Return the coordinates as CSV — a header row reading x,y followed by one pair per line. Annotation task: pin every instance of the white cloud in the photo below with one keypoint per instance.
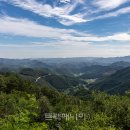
x,y
112,14
67,15
24,27
93,38
72,44
65,1
108,4
60,13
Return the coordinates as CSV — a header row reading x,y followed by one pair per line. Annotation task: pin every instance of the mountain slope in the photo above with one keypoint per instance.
x,y
119,82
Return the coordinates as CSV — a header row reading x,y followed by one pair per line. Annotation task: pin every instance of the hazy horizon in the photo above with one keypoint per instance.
x,y
63,57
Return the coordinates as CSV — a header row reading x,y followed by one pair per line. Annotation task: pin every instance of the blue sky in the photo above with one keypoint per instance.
x,y
64,28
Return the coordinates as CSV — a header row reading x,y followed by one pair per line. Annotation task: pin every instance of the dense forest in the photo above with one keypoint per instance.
x,y
28,106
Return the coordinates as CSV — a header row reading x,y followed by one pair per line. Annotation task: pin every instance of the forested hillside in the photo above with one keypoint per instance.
x,y
117,83
65,94
24,106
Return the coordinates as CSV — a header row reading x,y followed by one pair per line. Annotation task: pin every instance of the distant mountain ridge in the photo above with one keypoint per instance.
x,y
118,82
108,74
54,62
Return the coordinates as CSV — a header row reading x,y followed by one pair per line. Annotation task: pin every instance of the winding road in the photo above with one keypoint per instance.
x,y
41,77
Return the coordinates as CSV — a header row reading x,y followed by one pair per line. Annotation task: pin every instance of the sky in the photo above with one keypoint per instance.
x,y
64,28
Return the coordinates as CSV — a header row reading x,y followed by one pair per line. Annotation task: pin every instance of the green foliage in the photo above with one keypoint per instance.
x,y
24,104
62,82
21,122
18,111
117,83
